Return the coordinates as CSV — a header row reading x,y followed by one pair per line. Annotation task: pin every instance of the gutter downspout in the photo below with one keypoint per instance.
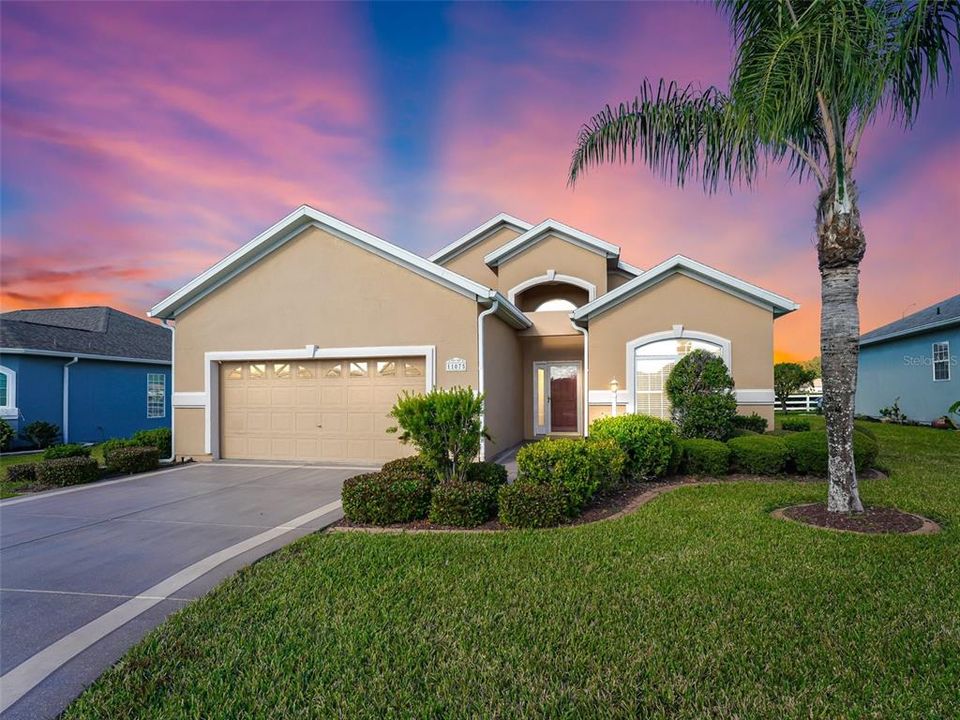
x,y
66,399
586,375
480,384
173,346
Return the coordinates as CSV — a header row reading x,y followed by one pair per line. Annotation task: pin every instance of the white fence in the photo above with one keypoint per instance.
x,y
802,403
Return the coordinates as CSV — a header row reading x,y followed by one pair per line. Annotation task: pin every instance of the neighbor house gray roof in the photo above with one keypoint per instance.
x,y
946,312
84,331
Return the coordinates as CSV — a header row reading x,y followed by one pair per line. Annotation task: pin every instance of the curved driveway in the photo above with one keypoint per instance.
x,y
86,572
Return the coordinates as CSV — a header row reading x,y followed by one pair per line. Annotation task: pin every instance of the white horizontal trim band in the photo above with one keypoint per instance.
x,y
189,399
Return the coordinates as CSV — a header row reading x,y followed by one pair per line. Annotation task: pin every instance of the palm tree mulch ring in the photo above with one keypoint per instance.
x,y
872,521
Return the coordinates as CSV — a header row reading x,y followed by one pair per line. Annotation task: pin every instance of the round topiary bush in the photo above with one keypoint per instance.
x,y
532,506
488,473
67,471
795,424
563,461
385,498
701,396
463,504
809,456
649,443
129,460
758,454
705,457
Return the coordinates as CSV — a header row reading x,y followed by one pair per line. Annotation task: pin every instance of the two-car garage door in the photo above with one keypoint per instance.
x,y
314,410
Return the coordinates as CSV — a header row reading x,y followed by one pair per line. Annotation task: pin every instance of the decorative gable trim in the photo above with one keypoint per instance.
x,y
544,230
478,235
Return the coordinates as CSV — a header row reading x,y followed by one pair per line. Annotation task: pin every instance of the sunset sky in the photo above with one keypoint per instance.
x,y
143,142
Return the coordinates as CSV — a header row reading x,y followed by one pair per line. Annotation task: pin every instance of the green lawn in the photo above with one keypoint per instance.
x,y
698,605
11,489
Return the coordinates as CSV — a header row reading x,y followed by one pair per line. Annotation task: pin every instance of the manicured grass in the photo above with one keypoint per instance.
x,y
12,489
698,605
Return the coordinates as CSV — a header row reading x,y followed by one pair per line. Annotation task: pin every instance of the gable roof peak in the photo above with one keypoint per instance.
x,y
547,227
478,234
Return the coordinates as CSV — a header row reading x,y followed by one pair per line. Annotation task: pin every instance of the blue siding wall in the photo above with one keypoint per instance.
x,y
903,368
107,399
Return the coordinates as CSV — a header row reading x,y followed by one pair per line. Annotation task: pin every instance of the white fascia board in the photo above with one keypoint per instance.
x,y
508,312
684,265
479,233
82,356
628,268
292,225
547,227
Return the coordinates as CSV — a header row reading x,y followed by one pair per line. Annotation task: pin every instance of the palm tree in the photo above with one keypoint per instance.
x,y
809,78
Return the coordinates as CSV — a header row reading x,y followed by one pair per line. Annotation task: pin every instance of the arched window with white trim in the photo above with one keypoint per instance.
x,y
8,393
652,357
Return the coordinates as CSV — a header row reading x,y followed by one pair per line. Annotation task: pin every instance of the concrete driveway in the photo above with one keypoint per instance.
x,y
86,572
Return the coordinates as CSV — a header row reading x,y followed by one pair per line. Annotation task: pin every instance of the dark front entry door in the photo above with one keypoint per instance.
x,y
563,398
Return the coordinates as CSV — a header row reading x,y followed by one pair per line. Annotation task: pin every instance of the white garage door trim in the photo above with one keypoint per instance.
x,y
212,362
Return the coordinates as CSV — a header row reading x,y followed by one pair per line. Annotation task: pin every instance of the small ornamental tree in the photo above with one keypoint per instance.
x,y
788,378
446,426
701,396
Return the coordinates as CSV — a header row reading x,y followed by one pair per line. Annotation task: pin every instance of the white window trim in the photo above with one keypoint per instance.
x,y
163,410
212,360
580,417
552,276
10,411
933,358
678,331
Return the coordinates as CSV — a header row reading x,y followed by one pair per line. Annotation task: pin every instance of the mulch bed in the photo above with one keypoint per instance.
x,y
873,520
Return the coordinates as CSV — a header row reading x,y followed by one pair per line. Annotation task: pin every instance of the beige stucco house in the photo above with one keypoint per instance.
x,y
295,346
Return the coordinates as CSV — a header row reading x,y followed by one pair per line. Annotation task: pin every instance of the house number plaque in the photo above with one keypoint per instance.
x,y
456,365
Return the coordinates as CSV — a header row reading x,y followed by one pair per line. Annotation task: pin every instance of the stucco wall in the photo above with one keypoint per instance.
x,y
503,386
552,253
681,300
319,289
904,368
470,262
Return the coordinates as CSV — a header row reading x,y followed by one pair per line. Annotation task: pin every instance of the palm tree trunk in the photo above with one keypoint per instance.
x,y
840,248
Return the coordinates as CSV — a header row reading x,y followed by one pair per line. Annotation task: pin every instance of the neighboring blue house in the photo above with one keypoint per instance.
x,y
914,359
96,372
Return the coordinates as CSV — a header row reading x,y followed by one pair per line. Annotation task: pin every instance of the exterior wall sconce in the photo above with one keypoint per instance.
x,y
614,386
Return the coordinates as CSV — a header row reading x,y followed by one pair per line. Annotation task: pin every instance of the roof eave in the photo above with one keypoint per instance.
x,y
471,238
918,330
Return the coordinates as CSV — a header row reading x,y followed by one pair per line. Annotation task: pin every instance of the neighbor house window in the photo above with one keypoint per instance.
x,y
8,393
3,390
156,395
652,365
941,361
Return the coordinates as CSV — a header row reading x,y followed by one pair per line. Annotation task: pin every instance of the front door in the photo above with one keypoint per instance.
x,y
556,397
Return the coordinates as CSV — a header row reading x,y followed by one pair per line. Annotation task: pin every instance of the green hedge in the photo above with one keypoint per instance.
x,y
463,504
808,452
130,460
607,460
22,473
55,452
488,473
650,444
750,422
67,471
386,497
758,454
415,464
161,439
795,424
705,457
563,461
532,506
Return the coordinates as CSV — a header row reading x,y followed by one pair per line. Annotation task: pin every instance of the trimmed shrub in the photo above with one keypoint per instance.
x,y
758,454
701,396
161,439
532,506
129,460
67,471
108,446
488,473
607,461
795,424
24,472
705,457
62,451
563,461
414,464
40,433
750,422
445,425
650,443
385,498
463,504
6,434
743,432
808,452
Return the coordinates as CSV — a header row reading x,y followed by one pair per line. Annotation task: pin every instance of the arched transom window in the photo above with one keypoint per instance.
x,y
652,363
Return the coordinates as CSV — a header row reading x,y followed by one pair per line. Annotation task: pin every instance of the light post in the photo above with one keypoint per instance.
x,y
614,386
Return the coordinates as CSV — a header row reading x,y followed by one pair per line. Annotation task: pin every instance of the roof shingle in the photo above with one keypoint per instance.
x,y
945,312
